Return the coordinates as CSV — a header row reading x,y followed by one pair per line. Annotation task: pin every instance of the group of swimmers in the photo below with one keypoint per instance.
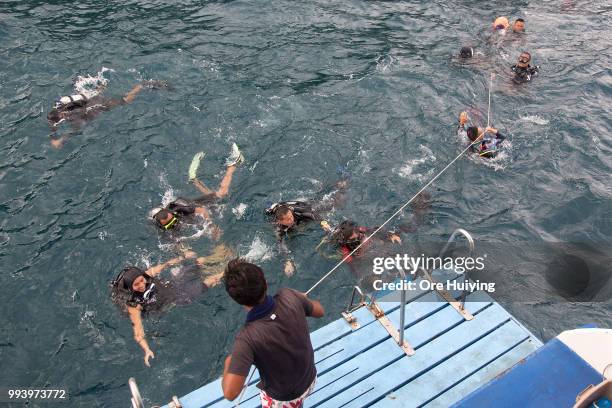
x,y
141,291
486,141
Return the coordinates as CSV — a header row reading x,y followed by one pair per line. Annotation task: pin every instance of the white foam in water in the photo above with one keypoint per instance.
x,y
385,62
538,120
169,191
258,251
239,210
92,86
413,169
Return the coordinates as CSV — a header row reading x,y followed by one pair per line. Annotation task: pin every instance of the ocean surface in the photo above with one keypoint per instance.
x,y
305,89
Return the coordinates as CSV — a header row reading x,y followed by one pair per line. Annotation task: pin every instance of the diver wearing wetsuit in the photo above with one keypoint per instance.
x,y
78,109
490,138
184,211
347,236
141,292
288,215
523,71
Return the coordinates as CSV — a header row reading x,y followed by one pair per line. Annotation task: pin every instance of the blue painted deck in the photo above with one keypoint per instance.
x,y
365,367
551,377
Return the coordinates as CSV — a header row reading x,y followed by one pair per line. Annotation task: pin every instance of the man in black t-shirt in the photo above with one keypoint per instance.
x,y
275,339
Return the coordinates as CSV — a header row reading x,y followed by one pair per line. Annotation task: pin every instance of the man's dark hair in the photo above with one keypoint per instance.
x,y
343,232
245,282
520,19
161,215
472,133
466,52
281,211
54,115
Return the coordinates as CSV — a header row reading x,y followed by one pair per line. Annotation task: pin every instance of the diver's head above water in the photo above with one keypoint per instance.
x,y
524,59
501,24
284,216
164,218
472,133
348,234
519,25
466,52
245,282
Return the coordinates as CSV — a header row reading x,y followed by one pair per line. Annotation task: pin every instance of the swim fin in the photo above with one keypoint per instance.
x,y
195,164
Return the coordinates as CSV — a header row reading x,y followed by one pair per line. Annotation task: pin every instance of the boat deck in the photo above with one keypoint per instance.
x,y
365,367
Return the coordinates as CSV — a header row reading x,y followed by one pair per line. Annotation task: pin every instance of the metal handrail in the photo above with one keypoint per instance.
x,y
136,398
470,241
467,236
350,308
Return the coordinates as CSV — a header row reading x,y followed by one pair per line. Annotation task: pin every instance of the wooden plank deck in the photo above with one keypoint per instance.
x,y
365,367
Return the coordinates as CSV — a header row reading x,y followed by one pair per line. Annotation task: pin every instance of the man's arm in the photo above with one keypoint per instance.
x,y
139,334
231,384
157,269
313,308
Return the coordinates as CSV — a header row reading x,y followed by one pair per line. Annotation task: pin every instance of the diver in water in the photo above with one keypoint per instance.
x,y
184,211
490,138
348,235
78,108
466,52
142,291
500,25
523,71
518,26
289,215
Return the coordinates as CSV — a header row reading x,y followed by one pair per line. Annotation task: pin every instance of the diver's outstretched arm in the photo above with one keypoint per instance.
x,y
157,269
139,333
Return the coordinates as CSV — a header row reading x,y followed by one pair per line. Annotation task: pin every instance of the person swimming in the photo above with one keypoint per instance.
x,y
184,211
518,26
523,71
490,138
78,108
288,215
466,52
140,291
501,24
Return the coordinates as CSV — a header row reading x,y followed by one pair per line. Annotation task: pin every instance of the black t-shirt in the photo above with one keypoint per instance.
x,y
279,346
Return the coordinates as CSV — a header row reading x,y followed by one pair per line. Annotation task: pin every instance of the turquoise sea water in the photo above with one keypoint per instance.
x,y
302,87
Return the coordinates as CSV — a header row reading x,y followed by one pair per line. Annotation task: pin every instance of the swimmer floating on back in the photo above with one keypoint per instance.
x,y
288,215
184,210
142,291
78,108
490,139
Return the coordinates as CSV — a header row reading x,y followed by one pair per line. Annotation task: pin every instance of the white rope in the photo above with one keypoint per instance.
x,y
489,109
405,205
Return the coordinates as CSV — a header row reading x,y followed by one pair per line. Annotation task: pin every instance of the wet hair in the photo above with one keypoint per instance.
x,y
466,52
342,233
472,133
54,115
245,282
520,20
161,215
281,211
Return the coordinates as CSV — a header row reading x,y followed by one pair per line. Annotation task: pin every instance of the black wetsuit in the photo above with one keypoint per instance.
x,y
183,288
489,144
303,212
524,74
